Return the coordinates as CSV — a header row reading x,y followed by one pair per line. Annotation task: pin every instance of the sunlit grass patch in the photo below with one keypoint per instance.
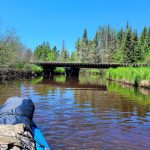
x,y
129,75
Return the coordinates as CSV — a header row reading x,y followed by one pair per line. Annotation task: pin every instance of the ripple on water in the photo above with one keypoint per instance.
x,y
94,119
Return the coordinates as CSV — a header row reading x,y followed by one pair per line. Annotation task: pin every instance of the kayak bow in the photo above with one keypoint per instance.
x,y
40,141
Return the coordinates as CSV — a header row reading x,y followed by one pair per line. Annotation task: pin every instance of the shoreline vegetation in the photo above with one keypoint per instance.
x,y
13,54
139,77
26,71
107,46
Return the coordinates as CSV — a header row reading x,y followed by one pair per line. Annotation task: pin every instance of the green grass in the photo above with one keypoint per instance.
x,y
131,74
92,71
36,69
59,70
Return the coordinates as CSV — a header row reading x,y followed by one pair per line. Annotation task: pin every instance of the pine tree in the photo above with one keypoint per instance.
x,y
143,41
85,37
97,58
91,54
143,35
134,43
146,45
119,38
95,49
127,25
109,46
140,49
118,55
64,55
126,47
73,56
78,50
84,47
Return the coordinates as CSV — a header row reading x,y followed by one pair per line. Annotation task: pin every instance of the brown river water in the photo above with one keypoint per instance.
x,y
87,113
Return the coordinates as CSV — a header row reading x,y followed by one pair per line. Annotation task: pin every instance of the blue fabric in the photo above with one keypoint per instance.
x,y
17,110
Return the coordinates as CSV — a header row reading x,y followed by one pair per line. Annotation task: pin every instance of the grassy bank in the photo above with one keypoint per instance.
x,y
135,76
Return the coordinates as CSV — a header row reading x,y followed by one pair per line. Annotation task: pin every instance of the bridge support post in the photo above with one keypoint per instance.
x,y
48,72
72,72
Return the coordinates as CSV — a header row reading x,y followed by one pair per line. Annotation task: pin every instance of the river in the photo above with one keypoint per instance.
x,y
88,113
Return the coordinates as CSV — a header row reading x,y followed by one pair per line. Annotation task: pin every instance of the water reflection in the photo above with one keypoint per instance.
x,y
87,112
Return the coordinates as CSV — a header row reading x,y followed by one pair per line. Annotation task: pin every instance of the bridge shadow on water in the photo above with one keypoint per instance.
x,y
98,91
80,82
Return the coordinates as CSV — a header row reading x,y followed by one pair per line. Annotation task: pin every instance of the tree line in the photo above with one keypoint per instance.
x,y
44,52
107,46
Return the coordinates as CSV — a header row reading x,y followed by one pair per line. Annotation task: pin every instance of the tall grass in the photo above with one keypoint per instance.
x,y
130,75
59,70
92,71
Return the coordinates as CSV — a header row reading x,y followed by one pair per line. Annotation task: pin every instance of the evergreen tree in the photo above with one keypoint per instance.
x,y
64,55
85,37
109,46
96,50
73,56
91,52
119,38
118,55
78,50
143,36
126,47
134,43
140,49
146,45
127,25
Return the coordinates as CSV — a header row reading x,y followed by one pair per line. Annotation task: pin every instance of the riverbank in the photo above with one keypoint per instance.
x,y
19,72
10,74
129,75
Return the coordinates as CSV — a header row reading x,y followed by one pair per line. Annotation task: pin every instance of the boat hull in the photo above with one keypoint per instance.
x,y
40,141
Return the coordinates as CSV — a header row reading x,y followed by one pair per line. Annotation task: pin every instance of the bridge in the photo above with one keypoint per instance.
x,y
72,69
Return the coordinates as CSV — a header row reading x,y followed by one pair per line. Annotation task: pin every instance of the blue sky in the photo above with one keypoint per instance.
x,y
56,20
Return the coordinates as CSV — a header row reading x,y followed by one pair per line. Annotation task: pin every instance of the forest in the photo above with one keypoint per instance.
x,y
107,46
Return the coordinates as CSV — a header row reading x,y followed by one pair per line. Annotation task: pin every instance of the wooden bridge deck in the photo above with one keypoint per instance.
x,y
86,65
